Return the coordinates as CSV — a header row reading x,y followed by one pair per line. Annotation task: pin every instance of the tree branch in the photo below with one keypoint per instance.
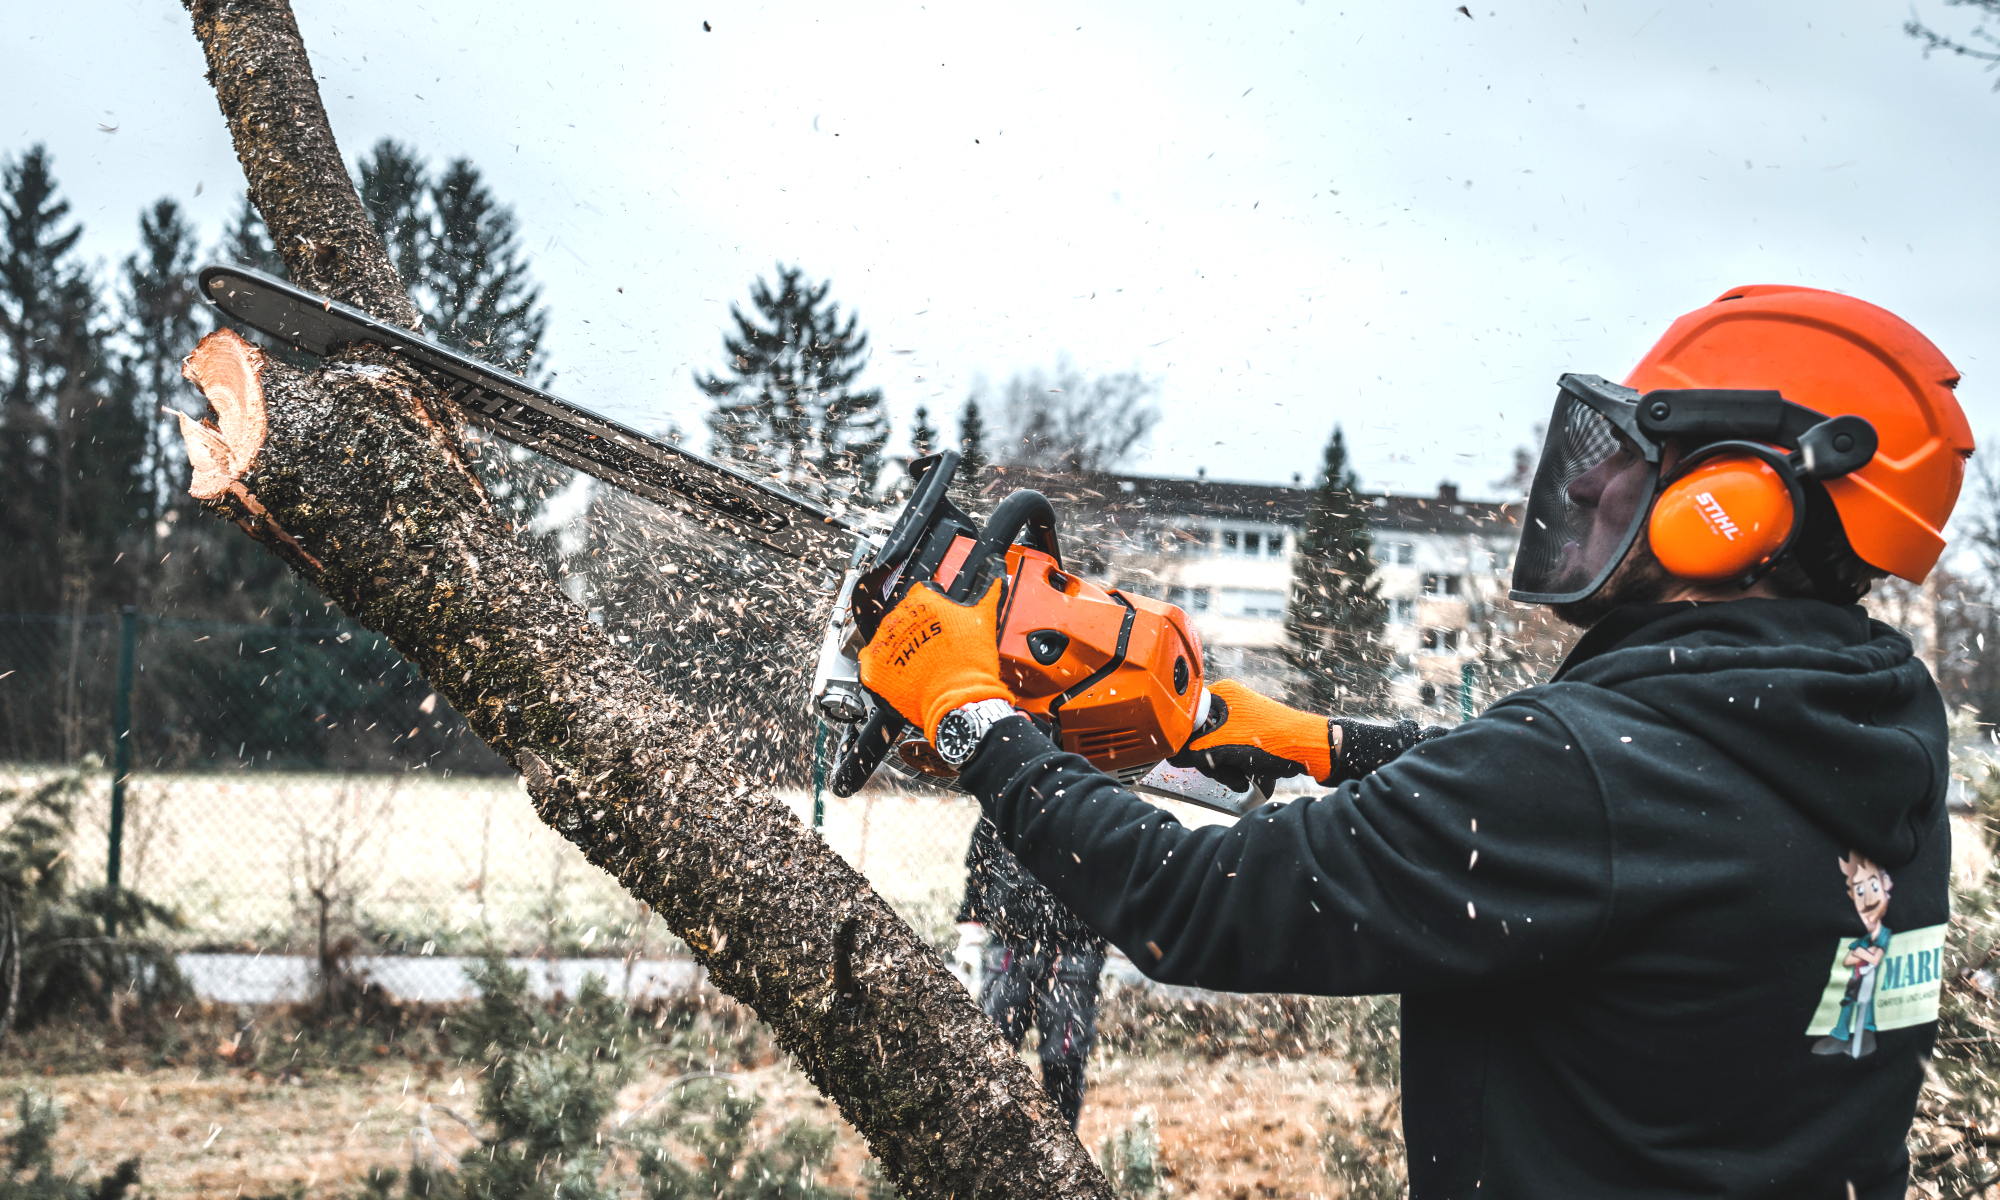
x,y
351,475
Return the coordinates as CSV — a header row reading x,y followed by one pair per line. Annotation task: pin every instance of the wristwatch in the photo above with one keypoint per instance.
x,y
959,734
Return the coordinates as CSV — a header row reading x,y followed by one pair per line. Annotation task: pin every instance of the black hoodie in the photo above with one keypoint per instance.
x,y
1620,906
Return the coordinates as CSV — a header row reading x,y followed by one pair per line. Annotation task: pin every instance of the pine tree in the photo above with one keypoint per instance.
x,y
393,184
69,453
974,460
247,242
788,408
481,298
160,323
923,435
1336,617
923,443
457,250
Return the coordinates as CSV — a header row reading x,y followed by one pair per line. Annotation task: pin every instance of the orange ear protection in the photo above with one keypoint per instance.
x,y
1727,513
1731,508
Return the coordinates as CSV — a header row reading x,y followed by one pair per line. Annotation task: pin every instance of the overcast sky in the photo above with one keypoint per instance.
x,y
1390,216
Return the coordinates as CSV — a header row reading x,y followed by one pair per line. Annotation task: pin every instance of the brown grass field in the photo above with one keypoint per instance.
x,y
1232,1129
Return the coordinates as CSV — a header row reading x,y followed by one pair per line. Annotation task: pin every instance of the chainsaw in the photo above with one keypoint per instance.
x,y
1111,676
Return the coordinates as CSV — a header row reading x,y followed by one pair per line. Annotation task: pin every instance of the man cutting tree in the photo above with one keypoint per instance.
x,y
1621,906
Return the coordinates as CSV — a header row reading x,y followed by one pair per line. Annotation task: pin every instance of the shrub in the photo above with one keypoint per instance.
x,y
31,1170
1131,1157
549,1086
66,960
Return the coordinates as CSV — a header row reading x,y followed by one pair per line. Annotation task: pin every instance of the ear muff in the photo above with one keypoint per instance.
x,y
1727,514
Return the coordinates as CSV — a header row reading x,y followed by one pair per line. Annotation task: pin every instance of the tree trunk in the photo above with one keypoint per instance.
x,y
352,475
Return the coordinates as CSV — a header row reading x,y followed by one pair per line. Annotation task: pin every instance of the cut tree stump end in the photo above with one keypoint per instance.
x,y
228,370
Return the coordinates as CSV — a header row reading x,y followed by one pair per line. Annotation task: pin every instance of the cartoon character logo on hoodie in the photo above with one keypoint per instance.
x,y
1868,886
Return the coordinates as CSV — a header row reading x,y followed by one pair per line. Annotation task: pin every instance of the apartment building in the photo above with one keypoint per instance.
x,y
1223,552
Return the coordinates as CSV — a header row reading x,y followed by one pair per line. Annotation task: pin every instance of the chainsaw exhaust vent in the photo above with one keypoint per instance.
x,y
1100,745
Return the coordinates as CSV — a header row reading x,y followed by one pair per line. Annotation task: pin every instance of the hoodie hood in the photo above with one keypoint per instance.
x,y
1831,709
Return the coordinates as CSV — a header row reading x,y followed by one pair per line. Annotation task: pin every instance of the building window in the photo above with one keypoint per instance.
x,y
1399,553
1402,611
1194,600
1440,585
1253,543
1259,604
1441,641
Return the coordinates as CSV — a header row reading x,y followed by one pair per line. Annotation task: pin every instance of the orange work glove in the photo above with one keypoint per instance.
x,y
932,654
1258,739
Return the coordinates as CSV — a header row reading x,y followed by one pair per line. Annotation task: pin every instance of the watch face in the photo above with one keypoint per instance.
x,y
954,738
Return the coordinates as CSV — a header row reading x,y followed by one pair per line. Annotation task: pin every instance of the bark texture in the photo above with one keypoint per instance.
x,y
352,474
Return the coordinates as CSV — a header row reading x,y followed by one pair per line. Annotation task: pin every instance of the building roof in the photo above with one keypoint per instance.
x,y
1131,499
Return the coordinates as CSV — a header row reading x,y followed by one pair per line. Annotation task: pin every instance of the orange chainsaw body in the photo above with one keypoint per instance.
x,y
1120,675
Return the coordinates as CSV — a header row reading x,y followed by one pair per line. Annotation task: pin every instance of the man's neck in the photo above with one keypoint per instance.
x,y
1714,593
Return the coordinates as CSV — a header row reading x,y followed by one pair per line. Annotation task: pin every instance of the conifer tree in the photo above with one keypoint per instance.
x,y
481,296
972,448
787,407
159,322
923,443
248,242
69,479
393,183
923,435
1336,617
457,250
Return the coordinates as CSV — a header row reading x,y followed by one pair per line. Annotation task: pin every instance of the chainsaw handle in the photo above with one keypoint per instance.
x,y
933,479
863,749
1025,509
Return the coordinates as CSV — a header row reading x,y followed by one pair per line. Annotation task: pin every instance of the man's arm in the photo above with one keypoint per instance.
x,y
1248,738
1471,857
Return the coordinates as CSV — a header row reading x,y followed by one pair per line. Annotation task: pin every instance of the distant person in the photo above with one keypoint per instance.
x,y
1030,961
1627,962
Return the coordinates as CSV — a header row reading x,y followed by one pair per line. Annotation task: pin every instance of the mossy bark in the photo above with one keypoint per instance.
x,y
358,484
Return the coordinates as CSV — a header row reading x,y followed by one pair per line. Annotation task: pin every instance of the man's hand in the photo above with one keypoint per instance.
x,y
1258,739
932,654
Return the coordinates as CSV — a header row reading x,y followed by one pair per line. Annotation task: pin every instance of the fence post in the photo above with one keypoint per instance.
x,y
121,757
819,774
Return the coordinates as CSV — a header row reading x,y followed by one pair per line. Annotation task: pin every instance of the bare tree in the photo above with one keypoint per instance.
x,y
353,473
1066,422
1981,43
330,848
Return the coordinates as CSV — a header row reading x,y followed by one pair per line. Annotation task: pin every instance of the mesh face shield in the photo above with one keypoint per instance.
x,y
1593,489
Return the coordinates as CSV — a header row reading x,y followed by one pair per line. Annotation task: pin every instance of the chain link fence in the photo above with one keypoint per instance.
x,y
293,790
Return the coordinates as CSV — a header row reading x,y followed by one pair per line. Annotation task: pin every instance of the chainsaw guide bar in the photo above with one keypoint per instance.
x,y
734,502
722,496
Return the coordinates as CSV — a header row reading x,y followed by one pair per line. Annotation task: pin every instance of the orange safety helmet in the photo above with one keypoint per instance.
x,y
1711,445
1839,356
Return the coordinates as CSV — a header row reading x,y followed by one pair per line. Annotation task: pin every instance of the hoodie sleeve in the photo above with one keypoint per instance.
x,y
1478,855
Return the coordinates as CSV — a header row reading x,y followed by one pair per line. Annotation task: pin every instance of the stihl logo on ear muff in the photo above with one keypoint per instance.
x,y
1722,520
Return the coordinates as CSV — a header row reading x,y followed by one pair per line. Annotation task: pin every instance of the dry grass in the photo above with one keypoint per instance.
x,y
1236,1129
